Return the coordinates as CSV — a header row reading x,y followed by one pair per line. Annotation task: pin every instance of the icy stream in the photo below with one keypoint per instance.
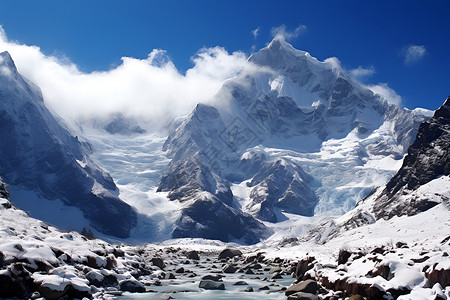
x,y
187,288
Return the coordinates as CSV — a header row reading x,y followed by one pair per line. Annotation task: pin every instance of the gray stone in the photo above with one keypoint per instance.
x,y
275,269
158,261
302,296
249,272
131,285
229,253
248,289
307,286
229,269
277,276
212,277
193,255
211,285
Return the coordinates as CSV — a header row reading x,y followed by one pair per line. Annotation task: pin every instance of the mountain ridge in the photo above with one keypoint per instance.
x,y
41,156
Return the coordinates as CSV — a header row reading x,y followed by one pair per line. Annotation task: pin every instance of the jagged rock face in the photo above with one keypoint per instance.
x,y
38,154
190,176
428,158
208,201
281,185
3,192
4,198
208,217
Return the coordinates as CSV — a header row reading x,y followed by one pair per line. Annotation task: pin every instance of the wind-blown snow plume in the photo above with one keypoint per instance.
x,y
388,93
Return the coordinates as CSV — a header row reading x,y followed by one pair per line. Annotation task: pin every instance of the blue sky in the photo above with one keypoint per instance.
x,y
402,43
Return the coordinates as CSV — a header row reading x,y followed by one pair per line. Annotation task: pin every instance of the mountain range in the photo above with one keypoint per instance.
x,y
290,137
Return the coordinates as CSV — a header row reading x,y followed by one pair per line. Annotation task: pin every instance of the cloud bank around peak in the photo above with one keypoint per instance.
x,y
150,89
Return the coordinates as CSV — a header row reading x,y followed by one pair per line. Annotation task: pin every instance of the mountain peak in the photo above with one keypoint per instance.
x,y
7,61
7,65
279,43
5,56
281,55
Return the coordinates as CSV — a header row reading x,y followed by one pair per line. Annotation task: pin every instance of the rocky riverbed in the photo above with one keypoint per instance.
x,y
41,261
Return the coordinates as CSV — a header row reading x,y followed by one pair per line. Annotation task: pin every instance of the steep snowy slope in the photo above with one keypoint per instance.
x,y
42,161
422,183
293,135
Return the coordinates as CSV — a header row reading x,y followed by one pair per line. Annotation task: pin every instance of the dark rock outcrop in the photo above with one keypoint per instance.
x,y
283,185
229,269
428,158
159,262
441,276
229,253
343,256
4,195
193,255
212,278
210,218
133,286
350,288
302,267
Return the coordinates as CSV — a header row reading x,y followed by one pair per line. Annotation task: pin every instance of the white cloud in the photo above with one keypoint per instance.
x,y
151,89
385,91
255,32
414,53
281,31
361,73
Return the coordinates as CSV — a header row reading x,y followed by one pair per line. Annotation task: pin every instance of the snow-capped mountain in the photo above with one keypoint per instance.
x,y
289,135
41,161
